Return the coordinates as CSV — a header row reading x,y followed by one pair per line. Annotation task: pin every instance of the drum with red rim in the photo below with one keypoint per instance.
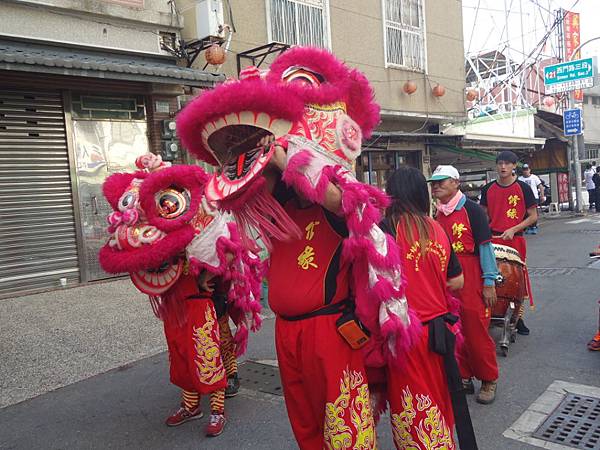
x,y
511,285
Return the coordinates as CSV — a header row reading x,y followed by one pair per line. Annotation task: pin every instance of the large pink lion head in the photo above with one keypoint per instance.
x,y
307,92
158,212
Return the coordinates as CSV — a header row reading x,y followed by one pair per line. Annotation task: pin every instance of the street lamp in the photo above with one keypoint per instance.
x,y
575,142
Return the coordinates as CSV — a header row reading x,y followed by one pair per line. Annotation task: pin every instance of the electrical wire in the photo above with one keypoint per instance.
x,y
522,66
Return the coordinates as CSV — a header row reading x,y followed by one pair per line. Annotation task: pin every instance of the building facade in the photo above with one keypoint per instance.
x,y
85,87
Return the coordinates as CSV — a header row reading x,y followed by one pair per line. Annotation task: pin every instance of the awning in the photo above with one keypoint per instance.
x,y
33,57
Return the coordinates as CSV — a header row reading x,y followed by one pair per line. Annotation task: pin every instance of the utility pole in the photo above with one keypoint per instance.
x,y
575,139
575,159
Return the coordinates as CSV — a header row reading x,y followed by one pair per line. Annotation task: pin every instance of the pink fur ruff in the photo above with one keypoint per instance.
x,y
147,257
191,178
115,185
454,307
256,209
247,95
245,272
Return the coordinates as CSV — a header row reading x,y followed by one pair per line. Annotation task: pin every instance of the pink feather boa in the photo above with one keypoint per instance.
x,y
245,271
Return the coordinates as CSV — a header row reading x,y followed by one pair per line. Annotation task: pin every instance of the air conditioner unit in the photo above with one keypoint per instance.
x,y
203,19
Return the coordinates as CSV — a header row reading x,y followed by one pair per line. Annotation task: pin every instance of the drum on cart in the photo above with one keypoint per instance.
x,y
510,292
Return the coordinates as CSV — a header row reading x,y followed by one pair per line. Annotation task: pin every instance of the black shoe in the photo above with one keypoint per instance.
x,y
521,328
233,386
468,386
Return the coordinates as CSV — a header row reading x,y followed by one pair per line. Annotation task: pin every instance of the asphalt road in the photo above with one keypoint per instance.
x,y
125,407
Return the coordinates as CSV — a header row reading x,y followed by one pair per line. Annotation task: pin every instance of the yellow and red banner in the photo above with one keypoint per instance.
x,y
572,34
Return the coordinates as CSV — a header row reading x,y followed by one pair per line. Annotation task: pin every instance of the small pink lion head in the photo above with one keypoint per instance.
x,y
157,213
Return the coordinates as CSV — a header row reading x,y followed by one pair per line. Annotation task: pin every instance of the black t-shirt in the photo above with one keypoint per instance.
x,y
596,180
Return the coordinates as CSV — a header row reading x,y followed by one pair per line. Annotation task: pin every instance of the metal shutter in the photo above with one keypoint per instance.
x,y
38,244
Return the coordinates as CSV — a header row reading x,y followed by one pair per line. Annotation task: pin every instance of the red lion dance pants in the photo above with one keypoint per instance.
x,y
324,384
477,357
420,405
194,354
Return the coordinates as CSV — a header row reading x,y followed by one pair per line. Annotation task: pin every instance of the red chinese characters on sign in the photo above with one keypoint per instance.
x,y
563,187
572,40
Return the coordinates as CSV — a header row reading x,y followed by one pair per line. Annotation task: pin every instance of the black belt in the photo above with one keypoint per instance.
x,y
442,342
334,308
496,233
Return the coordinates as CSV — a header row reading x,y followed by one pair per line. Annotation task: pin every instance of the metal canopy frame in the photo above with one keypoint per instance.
x,y
260,54
191,49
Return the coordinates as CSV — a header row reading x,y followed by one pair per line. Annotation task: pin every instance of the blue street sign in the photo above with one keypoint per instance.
x,y
569,76
572,122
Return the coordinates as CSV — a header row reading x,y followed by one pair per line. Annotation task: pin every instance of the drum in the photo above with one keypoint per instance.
x,y
511,285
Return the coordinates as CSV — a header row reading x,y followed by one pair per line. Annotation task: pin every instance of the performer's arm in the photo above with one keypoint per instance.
x,y
540,187
333,195
489,271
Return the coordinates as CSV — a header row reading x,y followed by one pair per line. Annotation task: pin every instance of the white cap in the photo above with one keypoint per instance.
x,y
443,172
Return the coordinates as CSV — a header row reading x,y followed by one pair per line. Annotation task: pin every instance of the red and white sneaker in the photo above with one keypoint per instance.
x,y
182,415
215,426
594,344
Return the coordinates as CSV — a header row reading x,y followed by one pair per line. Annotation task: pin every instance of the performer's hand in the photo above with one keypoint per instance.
x,y
279,158
508,234
489,296
206,282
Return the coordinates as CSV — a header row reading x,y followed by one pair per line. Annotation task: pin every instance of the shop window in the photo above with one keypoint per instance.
x,y
404,34
108,108
374,167
299,22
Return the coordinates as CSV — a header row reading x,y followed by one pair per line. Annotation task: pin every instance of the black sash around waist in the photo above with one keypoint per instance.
x,y
327,310
442,341
496,233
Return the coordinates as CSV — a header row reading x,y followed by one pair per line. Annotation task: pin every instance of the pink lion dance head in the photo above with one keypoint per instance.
x,y
163,231
307,93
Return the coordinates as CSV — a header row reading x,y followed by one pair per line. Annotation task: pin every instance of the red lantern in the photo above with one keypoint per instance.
x,y
438,91
548,102
471,95
215,55
410,87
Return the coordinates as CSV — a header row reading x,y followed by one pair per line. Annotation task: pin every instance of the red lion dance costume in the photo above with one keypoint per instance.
x,y
165,234
318,109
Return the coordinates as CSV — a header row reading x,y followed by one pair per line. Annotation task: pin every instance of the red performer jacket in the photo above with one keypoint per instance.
x,y
307,274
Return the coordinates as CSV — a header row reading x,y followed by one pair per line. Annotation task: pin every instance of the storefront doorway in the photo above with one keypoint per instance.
x,y
374,167
108,135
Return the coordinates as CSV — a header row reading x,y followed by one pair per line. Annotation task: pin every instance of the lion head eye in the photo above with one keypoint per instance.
x,y
172,202
302,76
128,200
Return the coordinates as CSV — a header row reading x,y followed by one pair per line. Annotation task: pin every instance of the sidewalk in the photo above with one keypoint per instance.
x,y
57,338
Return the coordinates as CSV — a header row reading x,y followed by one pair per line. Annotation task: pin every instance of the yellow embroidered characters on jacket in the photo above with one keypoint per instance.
x,y
307,257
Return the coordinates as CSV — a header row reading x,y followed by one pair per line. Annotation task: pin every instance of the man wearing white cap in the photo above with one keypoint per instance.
x,y
467,226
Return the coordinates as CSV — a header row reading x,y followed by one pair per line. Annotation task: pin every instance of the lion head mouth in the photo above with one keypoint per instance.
x,y
237,141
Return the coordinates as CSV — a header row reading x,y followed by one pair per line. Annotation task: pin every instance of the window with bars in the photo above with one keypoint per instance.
x,y
299,22
404,34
